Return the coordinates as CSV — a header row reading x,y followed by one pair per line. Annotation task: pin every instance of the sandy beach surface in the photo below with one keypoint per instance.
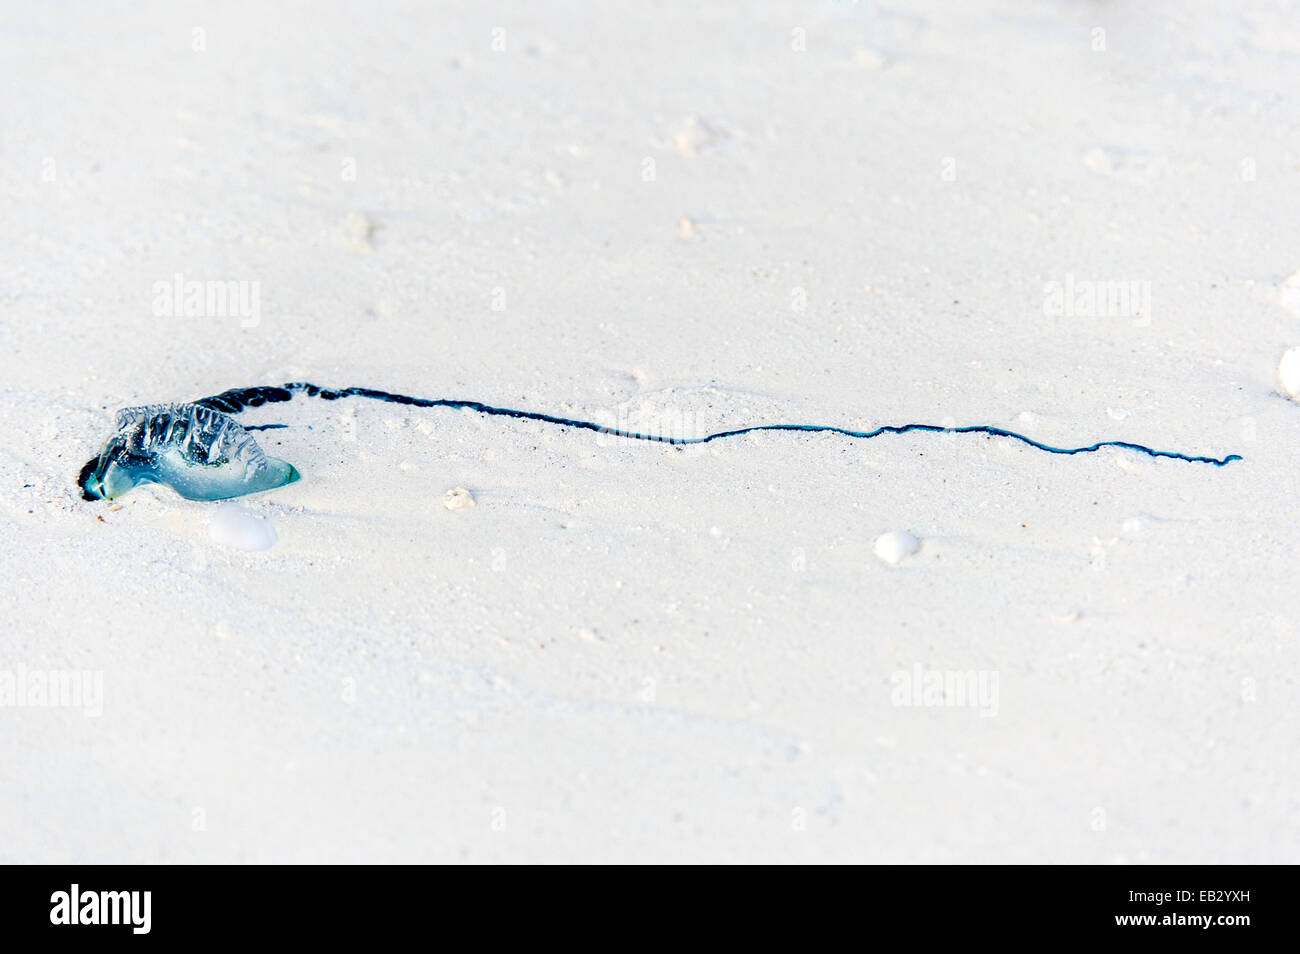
x,y
1072,220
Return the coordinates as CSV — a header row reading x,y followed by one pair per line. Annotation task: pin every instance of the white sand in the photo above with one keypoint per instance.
x,y
628,651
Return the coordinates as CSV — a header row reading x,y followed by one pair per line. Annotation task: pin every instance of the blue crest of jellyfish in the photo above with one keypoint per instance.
x,y
199,452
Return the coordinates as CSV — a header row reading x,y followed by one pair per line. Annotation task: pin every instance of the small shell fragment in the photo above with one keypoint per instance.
x,y
458,499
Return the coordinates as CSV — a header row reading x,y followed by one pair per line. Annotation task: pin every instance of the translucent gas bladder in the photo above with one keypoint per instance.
x,y
199,452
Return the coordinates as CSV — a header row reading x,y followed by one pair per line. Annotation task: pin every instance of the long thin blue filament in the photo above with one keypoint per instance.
x,y
239,399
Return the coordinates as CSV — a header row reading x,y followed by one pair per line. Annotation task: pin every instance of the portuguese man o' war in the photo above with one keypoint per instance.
x,y
199,451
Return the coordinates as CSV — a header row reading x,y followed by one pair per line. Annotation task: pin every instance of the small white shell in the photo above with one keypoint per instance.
x,y
892,547
234,526
458,499
1288,374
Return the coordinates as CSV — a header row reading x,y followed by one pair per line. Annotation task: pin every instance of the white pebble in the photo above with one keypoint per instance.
x,y
1288,374
1289,294
458,499
892,547
865,59
232,525
359,229
1136,525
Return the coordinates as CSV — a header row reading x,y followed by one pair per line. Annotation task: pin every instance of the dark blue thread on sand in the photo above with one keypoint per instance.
x,y
239,399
